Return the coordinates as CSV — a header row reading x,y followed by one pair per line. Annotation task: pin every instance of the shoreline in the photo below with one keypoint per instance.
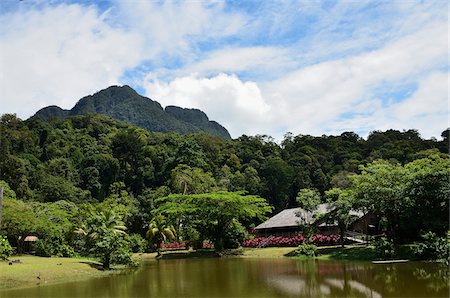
x,y
35,271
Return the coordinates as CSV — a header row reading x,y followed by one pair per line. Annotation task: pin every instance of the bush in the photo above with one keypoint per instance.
x,y
297,240
5,248
234,235
384,248
54,246
432,247
44,248
137,243
122,255
174,245
309,250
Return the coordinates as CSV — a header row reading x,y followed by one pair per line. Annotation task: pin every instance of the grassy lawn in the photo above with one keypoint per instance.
x,y
351,253
267,252
38,270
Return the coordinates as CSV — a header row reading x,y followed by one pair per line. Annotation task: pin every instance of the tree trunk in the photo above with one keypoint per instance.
x,y
107,261
342,232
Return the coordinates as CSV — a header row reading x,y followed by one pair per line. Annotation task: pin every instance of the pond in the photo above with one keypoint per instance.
x,y
241,277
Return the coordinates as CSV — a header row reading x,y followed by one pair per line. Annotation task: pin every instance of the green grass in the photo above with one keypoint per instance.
x,y
267,252
39,270
350,253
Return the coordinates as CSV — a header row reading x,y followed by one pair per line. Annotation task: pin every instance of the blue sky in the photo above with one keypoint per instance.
x,y
257,67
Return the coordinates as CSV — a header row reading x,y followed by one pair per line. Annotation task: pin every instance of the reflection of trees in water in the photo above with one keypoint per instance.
x,y
312,278
388,278
436,279
360,279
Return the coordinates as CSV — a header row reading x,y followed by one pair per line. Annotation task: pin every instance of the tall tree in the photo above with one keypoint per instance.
x,y
212,213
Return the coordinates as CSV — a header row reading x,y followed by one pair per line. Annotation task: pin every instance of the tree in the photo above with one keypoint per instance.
x,y
21,219
187,180
341,202
159,231
308,199
277,175
427,187
380,188
106,235
409,199
212,213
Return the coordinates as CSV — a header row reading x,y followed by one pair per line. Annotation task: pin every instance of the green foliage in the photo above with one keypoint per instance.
x,y
211,214
80,165
21,219
159,232
187,180
432,247
384,248
104,233
5,248
112,248
53,246
309,250
308,199
409,199
342,202
234,235
7,191
137,243
277,175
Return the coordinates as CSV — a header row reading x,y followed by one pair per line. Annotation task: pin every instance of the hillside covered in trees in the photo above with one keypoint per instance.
x,y
59,170
125,104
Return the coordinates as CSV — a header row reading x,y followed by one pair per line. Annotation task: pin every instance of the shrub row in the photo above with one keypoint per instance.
x,y
318,239
174,245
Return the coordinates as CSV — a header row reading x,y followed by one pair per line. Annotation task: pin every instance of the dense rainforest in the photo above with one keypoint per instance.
x,y
59,169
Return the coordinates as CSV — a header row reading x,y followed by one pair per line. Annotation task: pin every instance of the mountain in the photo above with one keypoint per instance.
x,y
124,103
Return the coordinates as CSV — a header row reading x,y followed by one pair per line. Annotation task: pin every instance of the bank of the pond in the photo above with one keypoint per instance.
x,y
351,252
27,271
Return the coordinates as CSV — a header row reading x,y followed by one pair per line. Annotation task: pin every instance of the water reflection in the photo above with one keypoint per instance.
x,y
235,277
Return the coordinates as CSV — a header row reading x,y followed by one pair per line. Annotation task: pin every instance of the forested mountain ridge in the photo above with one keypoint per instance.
x,y
79,157
125,104
56,173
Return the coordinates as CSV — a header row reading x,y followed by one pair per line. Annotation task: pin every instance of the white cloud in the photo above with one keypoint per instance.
x,y
59,54
174,28
313,99
305,64
426,109
237,105
316,96
241,59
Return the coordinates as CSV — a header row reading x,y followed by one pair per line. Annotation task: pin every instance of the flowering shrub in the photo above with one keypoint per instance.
x,y
184,245
321,240
297,240
174,245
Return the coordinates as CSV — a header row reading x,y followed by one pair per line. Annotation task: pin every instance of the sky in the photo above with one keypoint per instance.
x,y
256,67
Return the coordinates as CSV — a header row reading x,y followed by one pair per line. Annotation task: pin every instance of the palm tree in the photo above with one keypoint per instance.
x,y
103,230
159,232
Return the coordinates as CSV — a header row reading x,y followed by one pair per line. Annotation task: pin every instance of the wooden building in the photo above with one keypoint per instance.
x,y
289,222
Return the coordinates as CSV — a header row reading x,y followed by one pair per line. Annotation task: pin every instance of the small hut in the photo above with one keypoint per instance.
x,y
29,244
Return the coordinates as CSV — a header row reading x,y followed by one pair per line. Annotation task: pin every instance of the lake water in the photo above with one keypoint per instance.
x,y
239,277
